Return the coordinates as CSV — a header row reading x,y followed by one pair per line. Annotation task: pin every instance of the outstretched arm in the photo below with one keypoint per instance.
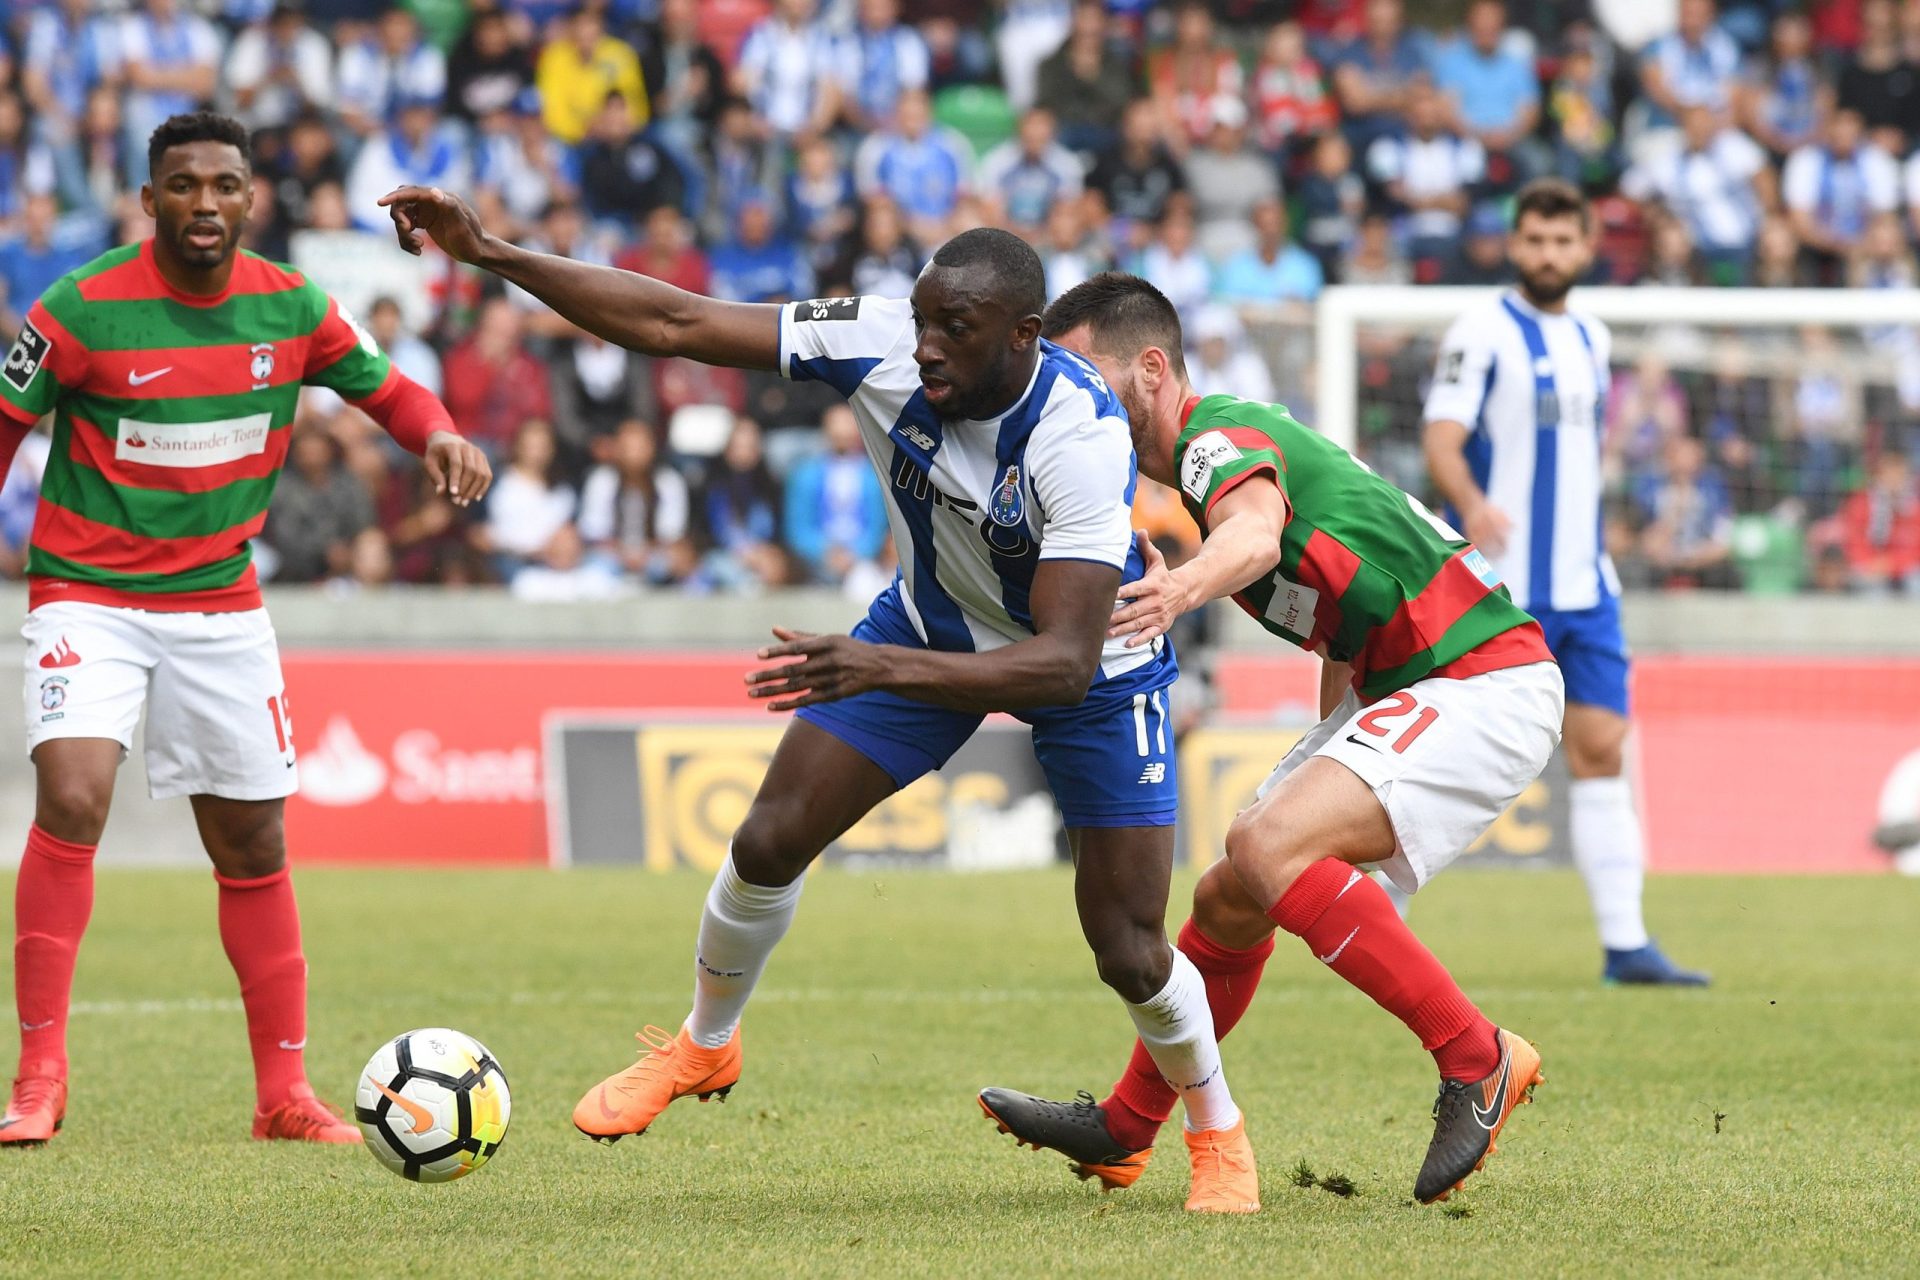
x,y
1071,601
632,311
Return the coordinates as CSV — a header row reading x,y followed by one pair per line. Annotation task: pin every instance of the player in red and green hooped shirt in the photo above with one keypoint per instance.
x,y
1440,704
172,369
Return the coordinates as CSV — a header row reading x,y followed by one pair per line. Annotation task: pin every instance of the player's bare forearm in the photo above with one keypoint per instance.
x,y
1445,443
1242,546
640,313
1071,601
629,310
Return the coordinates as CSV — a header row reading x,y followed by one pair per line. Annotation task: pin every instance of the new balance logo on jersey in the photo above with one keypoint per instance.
x,y
24,360
1154,774
917,437
819,309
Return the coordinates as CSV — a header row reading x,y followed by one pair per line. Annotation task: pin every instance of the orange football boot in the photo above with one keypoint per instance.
x,y
304,1118
628,1101
1224,1177
35,1111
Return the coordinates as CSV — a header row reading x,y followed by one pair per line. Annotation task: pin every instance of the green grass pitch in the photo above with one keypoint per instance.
x,y
1768,1126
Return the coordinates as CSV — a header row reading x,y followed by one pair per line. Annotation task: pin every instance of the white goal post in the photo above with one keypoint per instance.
x,y
1342,309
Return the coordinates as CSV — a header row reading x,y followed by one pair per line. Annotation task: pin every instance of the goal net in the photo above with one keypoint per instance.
x,y
1755,439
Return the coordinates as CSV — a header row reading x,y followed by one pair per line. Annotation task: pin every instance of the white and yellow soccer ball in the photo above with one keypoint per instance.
x,y
433,1105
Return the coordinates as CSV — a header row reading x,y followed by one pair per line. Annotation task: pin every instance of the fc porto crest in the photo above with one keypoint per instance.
x,y
1007,509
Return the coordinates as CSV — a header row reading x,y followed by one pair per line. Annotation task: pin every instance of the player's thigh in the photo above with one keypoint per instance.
x,y
218,722
85,679
818,785
1320,808
1445,758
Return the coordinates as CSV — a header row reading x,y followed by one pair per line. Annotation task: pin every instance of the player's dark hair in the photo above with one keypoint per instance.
x,y
199,126
1552,198
1015,274
1124,313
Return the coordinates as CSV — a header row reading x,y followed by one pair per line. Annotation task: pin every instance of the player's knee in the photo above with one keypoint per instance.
x,y
1265,854
73,806
1596,756
1136,964
765,850
251,850
1226,911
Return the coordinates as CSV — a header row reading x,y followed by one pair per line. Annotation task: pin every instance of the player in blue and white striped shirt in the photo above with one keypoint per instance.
x,y
1513,440
1008,468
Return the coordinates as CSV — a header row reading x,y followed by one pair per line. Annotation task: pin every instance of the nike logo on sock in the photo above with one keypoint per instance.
x,y
37,1026
1353,878
292,1046
1335,955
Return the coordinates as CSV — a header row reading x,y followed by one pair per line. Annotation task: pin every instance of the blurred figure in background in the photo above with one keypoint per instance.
x,y
739,506
635,511
494,384
1880,529
529,513
836,519
318,509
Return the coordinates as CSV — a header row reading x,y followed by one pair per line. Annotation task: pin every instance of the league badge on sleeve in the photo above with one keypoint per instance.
x,y
28,354
1007,509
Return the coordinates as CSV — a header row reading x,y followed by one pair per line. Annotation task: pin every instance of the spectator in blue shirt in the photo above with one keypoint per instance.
x,y
1275,270
836,518
1786,97
923,167
755,265
46,248
1698,65
416,150
1371,75
1028,172
67,54
1493,94
821,205
880,59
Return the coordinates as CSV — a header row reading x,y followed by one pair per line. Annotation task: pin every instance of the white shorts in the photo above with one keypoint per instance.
x,y
1445,757
217,720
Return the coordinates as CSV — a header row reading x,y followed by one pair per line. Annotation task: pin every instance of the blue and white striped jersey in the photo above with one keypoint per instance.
x,y
1531,389
975,506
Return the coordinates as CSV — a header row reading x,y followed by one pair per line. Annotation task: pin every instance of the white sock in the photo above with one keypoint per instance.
x,y
739,929
1609,852
1177,1028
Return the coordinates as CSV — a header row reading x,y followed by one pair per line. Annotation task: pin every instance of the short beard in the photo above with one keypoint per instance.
x,y
1139,417
1541,293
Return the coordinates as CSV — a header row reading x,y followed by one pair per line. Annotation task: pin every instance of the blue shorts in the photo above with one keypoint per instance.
x,y
1109,760
1592,652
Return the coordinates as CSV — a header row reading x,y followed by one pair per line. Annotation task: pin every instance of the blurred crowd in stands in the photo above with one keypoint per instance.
x,y
1241,153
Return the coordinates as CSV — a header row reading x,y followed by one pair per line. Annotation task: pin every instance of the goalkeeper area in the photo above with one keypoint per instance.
x,y
1737,1127
1755,440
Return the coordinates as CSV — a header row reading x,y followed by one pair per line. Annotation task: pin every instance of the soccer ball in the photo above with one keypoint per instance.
x,y
433,1105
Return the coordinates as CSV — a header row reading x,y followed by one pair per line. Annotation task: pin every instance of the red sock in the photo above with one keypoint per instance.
x,y
260,928
1142,1099
1351,925
52,901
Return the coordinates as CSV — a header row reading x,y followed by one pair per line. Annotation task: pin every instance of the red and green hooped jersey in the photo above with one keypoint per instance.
x,y
1367,574
172,414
